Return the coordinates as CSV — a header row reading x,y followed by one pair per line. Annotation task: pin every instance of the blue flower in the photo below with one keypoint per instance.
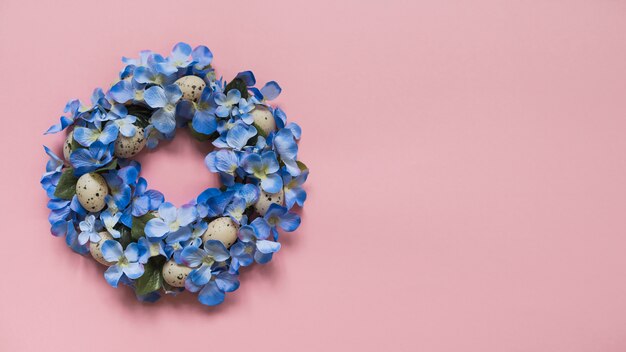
x,y
144,56
153,136
145,200
171,221
204,117
87,160
151,248
89,230
179,57
294,193
109,220
126,261
264,168
202,259
226,102
150,75
164,119
239,135
126,125
253,245
213,292
270,91
75,109
71,239
277,216
202,57
209,275
243,109
126,90
286,146
87,136
225,162
119,190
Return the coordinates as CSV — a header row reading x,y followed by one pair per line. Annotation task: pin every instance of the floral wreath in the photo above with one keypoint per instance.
x,y
102,206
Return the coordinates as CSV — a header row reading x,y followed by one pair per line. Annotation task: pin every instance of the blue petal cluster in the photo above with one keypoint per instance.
x,y
137,231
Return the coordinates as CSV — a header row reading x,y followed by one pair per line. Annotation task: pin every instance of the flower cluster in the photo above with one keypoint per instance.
x,y
102,206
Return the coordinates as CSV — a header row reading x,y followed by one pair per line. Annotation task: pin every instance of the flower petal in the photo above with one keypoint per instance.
x,y
113,275
156,228
266,247
133,270
272,183
217,250
155,97
211,295
111,250
192,256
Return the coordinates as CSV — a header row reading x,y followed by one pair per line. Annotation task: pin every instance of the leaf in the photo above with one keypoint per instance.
x,y
110,166
75,145
301,165
66,188
152,279
259,131
125,238
238,84
139,224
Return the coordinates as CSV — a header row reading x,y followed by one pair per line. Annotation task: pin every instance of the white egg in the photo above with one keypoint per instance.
x,y
67,146
127,147
263,120
175,274
191,86
267,199
222,229
96,248
91,190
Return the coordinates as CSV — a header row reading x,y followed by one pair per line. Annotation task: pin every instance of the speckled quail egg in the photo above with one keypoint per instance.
x,y
127,147
223,229
96,248
175,274
263,120
91,189
191,86
267,199
67,146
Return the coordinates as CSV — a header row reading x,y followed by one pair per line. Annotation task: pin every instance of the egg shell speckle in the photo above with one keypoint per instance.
x,y
175,274
91,189
96,248
222,229
67,146
191,86
267,199
263,120
127,147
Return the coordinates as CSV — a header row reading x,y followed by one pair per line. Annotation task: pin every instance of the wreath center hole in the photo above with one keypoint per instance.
x,y
177,169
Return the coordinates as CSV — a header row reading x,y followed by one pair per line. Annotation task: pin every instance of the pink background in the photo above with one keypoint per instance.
x,y
468,186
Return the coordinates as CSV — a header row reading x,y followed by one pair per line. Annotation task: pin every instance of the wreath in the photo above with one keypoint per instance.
x,y
102,206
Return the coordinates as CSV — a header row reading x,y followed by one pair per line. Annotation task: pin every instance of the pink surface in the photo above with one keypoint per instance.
x,y
468,186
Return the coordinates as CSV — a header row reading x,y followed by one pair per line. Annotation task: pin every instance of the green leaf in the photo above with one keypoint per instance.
x,y
143,114
238,84
110,166
75,145
301,165
152,279
259,130
66,188
139,224
125,238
